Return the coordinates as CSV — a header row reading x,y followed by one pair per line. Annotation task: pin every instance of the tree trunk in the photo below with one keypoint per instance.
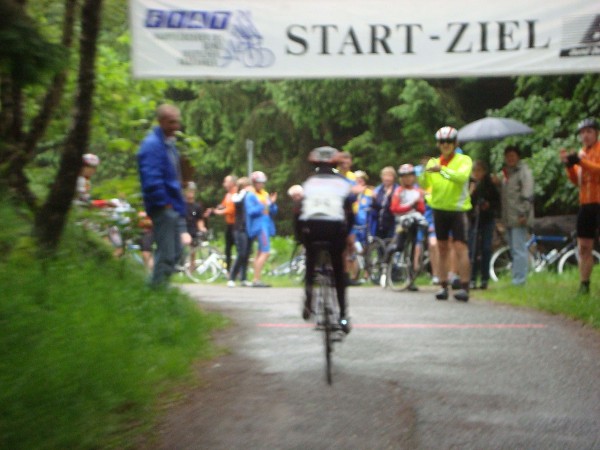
x,y
51,217
20,148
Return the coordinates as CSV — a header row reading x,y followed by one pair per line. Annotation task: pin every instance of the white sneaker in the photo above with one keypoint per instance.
x,y
231,283
246,283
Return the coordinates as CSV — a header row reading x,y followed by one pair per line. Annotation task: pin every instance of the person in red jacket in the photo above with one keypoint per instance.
x,y
583,169
409,198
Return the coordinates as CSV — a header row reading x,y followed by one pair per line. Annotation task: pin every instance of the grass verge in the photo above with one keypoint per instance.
x,y
87,349
550,292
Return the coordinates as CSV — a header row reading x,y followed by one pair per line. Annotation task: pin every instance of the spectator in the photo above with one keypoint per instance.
x,y
194,219
160,176
326,216
227,210
382,218
517,210
408,198
344,166
485,199
448,177
84,186
147,240
240,235
296,193
583,169
361,208
260,207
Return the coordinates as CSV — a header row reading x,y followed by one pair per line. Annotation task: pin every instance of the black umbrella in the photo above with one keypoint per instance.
x,y
491,128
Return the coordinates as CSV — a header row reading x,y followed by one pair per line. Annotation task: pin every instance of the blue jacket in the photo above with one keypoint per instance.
x,y
158,176
256,219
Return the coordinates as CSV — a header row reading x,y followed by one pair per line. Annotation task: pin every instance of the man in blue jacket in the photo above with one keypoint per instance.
x,y
160,176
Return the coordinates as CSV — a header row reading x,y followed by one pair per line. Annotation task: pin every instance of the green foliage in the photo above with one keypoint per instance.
x,y
26,55
550,292
552,106
88,348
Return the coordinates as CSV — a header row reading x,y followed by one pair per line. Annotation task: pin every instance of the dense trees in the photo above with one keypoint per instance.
x,y
381,121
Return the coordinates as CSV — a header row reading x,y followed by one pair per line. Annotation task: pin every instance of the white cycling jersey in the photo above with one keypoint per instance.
x,y
324,197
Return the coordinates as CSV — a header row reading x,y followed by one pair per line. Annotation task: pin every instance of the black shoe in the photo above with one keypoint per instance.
x,y
462,295
442,294
584,289
456,285
260,284
483,285
412,288
345,325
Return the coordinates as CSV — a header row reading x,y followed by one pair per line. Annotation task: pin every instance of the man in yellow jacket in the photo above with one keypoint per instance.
x,y
448,178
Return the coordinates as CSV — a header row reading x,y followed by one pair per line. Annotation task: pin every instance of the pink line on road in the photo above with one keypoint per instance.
x,y
454,326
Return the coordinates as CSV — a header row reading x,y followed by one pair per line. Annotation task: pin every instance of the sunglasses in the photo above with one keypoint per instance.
x,y
446,141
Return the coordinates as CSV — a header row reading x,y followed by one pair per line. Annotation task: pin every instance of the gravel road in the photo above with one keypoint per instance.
x,y
413,374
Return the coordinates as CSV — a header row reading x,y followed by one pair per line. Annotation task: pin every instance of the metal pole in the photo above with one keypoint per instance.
x,y
250,155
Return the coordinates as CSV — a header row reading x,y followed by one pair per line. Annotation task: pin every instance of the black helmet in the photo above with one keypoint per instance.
x,y
324,156
587,123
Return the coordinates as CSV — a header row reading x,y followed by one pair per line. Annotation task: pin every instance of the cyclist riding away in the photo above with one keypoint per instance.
x,y
326,217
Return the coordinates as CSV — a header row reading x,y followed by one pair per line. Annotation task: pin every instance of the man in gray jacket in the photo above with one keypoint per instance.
x,y
517,210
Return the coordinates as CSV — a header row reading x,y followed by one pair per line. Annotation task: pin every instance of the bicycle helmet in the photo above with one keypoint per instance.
x,y
258,177
446,133
324,155
406,169
89,159
587,123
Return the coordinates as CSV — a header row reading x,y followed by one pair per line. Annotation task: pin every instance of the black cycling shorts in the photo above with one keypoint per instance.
x,y
455,222
588,220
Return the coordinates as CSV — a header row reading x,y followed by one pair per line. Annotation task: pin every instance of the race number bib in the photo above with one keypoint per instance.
x,y
324,205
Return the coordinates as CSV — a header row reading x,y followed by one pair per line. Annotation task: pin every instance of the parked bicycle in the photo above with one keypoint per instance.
x,y
405,256
208,266
295,267
565,256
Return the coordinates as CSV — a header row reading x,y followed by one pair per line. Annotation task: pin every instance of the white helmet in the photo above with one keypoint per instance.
x,y
89,159
258,177
446,133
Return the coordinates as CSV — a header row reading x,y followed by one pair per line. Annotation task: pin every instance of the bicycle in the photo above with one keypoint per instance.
x,y
295,267
374,255
403,262
208,266
326,306
567,255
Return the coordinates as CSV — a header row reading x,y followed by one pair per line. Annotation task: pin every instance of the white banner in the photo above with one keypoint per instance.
x,y
222,39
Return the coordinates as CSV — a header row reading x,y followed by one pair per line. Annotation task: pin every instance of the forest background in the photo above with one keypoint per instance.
x,y
380,122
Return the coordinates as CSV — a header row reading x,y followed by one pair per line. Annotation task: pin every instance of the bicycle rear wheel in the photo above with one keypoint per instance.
x,y
500,263
374,253
399,271
204,271
570,260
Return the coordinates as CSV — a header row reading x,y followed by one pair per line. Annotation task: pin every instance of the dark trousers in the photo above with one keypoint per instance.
x,y
242,245
480,244
167,226
229,243
335,234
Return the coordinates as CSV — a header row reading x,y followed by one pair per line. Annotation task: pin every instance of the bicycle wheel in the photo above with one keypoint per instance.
x,y
374,259
205,271
399,274
500,263
570,260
